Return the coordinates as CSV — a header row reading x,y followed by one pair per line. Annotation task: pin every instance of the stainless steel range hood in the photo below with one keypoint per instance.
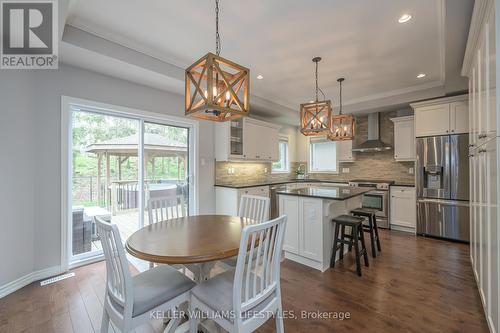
x,y
373,144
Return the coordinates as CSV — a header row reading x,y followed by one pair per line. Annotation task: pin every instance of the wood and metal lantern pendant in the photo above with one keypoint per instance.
x,y
342,126
216,88
315,117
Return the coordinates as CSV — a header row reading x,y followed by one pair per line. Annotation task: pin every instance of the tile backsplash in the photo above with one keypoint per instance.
x,y
380,165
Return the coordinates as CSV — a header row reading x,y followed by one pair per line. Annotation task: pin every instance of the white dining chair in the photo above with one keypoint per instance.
x,y
241,300
129,301
166,208
253,207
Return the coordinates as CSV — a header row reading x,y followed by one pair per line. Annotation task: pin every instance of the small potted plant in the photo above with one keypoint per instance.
x,y
301,172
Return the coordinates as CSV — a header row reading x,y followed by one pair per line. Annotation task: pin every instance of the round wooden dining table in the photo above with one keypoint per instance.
x,y
196,242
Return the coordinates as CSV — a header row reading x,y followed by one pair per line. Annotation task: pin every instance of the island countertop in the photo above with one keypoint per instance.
x,y
330,193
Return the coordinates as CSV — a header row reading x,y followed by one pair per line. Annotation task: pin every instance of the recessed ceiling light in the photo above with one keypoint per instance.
x,y
259,77
421,76
404,18
311,101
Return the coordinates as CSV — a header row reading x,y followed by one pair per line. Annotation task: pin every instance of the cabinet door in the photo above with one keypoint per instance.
x,y
289,206
483,226
344,151
490,61
250,136
311,229
403,207
490,153
404,141
270,144
432,120
459,117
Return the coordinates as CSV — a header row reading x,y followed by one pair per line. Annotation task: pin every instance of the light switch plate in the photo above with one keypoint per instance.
x,y
345,170
411,171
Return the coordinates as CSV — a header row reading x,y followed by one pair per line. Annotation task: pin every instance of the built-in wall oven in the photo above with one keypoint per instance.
x,y
378,199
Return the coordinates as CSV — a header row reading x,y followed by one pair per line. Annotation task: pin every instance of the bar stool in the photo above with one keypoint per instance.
x,y
356,236
371,228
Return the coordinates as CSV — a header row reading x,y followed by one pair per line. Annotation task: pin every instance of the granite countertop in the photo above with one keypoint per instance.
x,y
331,193
278,182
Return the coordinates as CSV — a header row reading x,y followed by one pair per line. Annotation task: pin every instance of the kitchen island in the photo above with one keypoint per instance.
x,y
309,230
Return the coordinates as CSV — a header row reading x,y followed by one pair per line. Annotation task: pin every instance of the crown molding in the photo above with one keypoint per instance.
x,y
482,9
437,101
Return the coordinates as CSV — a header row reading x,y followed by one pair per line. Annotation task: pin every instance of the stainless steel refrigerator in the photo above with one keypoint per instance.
x,y
442,180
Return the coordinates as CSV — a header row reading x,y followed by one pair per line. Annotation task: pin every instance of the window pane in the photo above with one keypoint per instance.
x,y
323,156
282,164
105,178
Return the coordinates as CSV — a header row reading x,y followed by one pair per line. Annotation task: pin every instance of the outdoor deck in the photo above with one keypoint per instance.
x,y
127,222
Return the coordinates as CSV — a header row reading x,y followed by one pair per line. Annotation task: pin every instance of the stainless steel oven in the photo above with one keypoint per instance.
x,y
378,199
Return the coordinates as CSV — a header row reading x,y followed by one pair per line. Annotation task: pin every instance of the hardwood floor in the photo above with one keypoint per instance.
x,y
415,285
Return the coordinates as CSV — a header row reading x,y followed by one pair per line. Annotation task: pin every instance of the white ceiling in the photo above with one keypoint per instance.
x,y
360,40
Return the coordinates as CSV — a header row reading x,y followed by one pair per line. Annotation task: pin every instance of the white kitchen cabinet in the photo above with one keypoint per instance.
x,y
309,228
289,203
480,63
442,116
247,139
403,215
227,199
344,151
404,138
459,117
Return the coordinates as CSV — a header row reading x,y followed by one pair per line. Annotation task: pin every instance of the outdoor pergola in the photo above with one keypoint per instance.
x,y
155,146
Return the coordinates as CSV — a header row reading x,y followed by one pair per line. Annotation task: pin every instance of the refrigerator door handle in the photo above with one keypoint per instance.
x,y
445,202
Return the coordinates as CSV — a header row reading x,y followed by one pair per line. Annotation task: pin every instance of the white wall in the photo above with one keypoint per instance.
x,y
31,158
17,177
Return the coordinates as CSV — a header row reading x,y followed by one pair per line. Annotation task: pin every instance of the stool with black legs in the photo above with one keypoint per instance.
x,y
371,228
356,236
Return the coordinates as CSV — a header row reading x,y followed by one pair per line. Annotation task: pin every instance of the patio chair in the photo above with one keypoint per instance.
x,y
240,300
128,300
82,232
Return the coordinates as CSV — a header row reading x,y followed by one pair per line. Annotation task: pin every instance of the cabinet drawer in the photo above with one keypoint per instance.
x,y
403,191
259,190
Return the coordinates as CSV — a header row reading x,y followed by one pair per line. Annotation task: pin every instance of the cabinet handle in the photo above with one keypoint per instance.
x,y
447,131
471,145
452,131
482,136
482,150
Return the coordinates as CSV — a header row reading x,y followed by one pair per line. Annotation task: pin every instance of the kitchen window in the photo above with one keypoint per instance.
x,y
282,165
323,156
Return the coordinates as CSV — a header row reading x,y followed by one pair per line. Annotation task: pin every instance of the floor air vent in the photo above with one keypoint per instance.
x,y
56,279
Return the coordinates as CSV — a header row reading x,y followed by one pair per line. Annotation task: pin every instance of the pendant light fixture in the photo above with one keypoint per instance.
x,y
216,88
315,117
342,125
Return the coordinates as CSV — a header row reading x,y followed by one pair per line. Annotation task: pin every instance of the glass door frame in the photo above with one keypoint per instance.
x,y
70,104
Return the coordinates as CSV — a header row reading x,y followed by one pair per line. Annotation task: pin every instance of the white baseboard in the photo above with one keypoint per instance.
x,y
27,279
403,228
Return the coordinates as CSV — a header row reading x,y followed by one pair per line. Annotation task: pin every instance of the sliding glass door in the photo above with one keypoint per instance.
x,y
118,164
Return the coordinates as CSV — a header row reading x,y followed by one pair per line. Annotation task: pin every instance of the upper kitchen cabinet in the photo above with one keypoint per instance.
x,y
442,116
404,138
247,139
344,151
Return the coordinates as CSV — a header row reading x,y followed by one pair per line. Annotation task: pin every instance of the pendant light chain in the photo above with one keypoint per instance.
x,y
317,81
340,97
218,44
